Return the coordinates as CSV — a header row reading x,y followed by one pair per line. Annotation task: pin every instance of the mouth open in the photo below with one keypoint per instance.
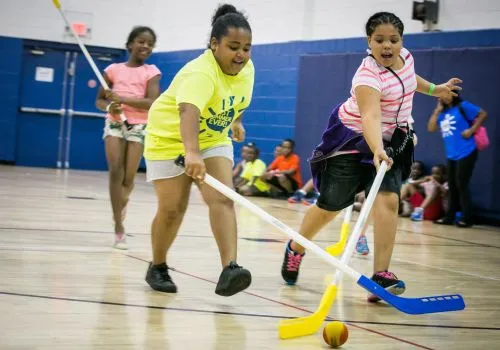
x,y
387,56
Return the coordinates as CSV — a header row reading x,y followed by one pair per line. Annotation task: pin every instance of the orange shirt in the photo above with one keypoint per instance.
x,y
288,163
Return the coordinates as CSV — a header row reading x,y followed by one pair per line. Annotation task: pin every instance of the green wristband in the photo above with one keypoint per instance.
x,y
432,87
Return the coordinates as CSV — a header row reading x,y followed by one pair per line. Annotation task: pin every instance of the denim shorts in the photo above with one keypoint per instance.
x,y
343,176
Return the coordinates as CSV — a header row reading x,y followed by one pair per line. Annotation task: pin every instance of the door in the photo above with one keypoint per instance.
x,y
43,107
59,125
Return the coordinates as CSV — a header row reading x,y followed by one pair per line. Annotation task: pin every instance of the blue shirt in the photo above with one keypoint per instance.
x,y
452,123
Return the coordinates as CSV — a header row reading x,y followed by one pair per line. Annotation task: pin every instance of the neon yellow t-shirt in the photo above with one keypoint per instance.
x,y
253,169
220,98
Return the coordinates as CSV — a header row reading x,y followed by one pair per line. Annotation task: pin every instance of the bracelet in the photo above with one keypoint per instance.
x,y
432,87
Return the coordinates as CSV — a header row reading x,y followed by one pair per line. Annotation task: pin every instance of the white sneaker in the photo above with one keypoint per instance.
x,y
120,241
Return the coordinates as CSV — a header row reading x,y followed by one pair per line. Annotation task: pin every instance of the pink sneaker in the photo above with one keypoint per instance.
x,y
389,282
120,241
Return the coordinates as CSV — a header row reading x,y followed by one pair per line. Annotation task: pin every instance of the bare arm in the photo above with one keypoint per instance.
x,y
432,122
371,116
371,119
441,90
481,117
101,101
288,172
237,169
423,85
152,93
190,127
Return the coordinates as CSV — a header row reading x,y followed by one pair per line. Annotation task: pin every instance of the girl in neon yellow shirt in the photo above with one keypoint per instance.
x,y
193,117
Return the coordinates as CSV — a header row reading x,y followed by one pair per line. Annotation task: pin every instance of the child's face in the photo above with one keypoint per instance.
x,y
244,151
437,174
233,51
251,154
416,171
142,46
386,44
278,151
287,148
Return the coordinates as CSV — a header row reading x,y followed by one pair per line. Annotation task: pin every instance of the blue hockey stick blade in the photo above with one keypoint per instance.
x,y
415,306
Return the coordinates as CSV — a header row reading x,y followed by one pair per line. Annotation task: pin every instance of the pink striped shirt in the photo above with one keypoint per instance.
x,y
371,74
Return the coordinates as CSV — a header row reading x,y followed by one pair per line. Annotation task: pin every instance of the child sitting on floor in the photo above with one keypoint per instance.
x,y
426,196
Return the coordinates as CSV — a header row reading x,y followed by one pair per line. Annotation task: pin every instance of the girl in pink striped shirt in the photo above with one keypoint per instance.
x,y
377,114
134,87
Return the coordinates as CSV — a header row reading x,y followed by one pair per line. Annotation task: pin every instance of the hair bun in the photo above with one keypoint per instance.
x,y
223,10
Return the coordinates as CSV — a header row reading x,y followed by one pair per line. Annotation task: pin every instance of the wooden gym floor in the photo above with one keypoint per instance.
x,y
62,286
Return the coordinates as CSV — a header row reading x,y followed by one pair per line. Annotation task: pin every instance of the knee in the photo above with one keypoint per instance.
x,y
245,191
219,200
323,214
172,213
282,180
128,181
116,173
170,216
388,201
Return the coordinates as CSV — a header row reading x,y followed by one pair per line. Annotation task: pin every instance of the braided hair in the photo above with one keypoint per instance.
x,y
384,18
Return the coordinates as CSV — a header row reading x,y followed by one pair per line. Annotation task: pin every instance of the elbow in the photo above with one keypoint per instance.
x,y
149,103
98,104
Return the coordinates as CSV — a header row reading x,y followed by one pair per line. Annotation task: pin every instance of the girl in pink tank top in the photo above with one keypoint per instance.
x,y
134,86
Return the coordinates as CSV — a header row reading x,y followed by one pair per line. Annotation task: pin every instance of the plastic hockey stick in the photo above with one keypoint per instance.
x,y
307,325
98,74
412,306
337,248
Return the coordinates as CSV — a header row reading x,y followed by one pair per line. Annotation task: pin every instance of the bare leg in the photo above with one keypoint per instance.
x,y
431,193
221,209
308,187
132,160
386,216
314,220
173,197
245,191
405,191
115,148
285,183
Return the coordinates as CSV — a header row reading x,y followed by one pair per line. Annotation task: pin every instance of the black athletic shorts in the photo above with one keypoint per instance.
x,y
344,176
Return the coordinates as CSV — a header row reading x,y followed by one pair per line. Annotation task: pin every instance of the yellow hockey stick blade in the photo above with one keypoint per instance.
x,y
307,325
337,248
57,4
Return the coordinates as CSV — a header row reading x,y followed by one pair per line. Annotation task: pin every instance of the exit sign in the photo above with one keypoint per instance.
x,y
79,28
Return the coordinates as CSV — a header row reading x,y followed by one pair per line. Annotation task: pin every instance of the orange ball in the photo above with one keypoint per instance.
x,y
335,334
